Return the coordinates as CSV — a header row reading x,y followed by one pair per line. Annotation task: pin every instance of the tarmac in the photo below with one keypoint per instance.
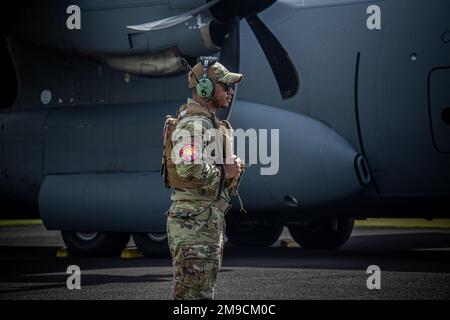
x,y
414,264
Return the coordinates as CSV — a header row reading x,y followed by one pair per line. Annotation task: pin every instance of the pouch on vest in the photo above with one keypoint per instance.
x,y
227,134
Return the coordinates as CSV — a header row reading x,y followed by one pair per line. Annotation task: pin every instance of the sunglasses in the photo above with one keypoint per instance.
x,y
227,86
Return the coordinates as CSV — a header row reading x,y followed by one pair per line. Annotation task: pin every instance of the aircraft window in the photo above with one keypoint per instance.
x,y
445,115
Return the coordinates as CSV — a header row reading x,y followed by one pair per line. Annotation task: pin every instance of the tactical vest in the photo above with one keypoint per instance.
x,y
171,178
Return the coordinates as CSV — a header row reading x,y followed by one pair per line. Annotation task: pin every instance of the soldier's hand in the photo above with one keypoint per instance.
x,y
233,167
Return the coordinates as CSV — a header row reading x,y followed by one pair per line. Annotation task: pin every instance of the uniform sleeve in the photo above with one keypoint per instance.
x,y
190,150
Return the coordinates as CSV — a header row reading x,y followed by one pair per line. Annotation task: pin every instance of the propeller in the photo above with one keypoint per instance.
x,y
225,33
229,54
281,63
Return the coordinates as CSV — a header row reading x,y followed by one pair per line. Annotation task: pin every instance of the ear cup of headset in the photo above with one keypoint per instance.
x,y
205,87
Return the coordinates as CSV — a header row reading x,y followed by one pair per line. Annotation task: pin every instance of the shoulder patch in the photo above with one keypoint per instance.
x,y
189,152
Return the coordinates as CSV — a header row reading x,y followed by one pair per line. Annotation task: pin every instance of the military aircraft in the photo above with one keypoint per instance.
x,y
358,89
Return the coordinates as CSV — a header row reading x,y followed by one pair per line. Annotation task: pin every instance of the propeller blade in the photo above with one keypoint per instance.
x,y
226,9
172,21
281,63
230,52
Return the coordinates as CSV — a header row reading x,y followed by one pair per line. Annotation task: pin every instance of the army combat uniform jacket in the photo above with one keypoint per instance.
x,y
196,219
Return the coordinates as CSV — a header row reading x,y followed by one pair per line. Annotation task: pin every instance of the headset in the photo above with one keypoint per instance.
x,y
205,85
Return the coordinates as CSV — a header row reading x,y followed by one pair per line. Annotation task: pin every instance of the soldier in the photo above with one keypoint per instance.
x,y
196,219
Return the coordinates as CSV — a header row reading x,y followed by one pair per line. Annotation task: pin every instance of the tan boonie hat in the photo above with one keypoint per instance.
x,y
217,72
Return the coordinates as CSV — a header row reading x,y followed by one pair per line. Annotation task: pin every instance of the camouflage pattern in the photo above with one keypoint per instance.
x,y
196,245
216,72
209,173
195,228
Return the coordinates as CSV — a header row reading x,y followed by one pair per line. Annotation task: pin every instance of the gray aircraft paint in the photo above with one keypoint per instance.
x,y
124,182
360,89
395,126
104,201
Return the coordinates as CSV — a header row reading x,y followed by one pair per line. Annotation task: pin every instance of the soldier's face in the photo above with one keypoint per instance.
x,y
223,95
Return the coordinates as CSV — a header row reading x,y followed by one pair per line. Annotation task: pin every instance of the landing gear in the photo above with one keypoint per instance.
x,y
152,244
95,243
242,234
322,233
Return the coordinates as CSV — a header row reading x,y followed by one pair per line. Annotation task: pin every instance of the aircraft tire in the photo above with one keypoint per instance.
x,y
95,243
252,235
152,244
320,234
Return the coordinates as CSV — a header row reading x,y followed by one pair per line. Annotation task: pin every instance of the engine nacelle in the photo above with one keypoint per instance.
x,y
101,32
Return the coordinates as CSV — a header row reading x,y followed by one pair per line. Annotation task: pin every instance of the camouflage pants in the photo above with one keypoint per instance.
x,y
196,245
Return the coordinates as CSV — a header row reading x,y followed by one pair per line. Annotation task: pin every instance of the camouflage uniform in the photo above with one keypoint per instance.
x,y
195,228
196,245
196,241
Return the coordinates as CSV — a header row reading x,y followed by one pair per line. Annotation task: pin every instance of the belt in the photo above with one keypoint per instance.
x,y
220,204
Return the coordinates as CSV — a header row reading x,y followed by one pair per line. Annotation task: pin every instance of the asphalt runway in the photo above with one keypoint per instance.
x,y
414,263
